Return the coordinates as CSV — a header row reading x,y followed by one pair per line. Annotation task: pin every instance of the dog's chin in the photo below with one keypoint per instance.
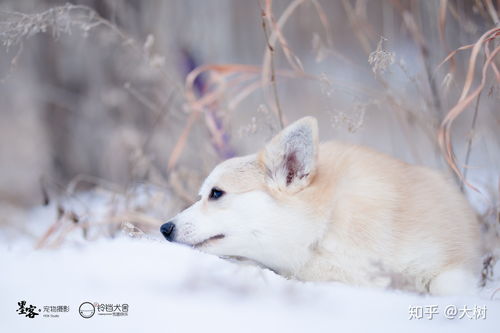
x,y
207,242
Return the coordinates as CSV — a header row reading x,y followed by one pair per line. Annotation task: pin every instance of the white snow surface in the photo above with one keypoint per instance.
x,y
173,288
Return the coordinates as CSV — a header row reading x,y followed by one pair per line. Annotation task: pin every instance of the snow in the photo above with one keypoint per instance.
x,y
174,288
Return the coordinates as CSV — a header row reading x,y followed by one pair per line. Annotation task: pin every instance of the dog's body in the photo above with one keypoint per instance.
x,y
336,212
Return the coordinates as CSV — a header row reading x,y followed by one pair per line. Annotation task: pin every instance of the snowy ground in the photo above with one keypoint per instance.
x,y
172,288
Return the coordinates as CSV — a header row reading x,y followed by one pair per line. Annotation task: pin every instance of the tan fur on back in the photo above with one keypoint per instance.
x,y
401,214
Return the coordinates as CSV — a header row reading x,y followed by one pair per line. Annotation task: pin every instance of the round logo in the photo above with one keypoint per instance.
x,y
86,310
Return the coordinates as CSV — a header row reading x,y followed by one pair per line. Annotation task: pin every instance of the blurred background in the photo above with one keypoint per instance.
x,y
132,103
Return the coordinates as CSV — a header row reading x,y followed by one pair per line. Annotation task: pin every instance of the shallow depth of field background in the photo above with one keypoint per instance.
x,y
113,112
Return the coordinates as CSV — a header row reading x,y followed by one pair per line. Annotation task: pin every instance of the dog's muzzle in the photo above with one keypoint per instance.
x,y
168,231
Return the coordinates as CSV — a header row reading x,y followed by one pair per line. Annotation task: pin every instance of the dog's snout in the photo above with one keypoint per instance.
x,y
167,230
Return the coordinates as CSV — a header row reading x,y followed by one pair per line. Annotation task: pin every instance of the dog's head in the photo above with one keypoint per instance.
x,y
257,207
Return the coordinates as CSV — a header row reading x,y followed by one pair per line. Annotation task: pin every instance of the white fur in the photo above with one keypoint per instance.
x,y
337,212
448,282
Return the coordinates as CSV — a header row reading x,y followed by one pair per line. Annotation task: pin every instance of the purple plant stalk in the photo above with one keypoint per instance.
x,y
223,147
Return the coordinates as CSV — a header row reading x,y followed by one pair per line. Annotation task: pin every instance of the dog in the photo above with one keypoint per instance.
x,y
336,212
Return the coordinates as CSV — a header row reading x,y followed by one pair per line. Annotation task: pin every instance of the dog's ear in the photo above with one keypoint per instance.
x,y
290,158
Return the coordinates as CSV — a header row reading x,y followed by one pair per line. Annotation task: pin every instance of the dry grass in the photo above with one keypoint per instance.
x,y
467,96
418,111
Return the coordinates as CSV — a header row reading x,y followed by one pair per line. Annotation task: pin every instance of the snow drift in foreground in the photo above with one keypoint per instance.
x,y
173,288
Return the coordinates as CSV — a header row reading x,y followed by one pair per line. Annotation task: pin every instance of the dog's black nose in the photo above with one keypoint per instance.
x,y
168,231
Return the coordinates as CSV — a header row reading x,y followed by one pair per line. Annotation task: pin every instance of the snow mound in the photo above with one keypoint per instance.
x,y
177,289
174,288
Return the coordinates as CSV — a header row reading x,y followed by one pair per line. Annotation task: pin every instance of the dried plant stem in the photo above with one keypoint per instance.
x,y
423,46
466,98
492,297
273,72
436,100
324,21
42,241
443,9
469,142
492,12
355,20
181,141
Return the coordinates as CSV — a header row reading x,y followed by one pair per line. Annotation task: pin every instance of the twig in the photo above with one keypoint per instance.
x,y
273,74
492,12
465,99
469,142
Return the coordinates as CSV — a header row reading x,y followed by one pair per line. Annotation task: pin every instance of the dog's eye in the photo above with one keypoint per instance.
x,y
215,193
